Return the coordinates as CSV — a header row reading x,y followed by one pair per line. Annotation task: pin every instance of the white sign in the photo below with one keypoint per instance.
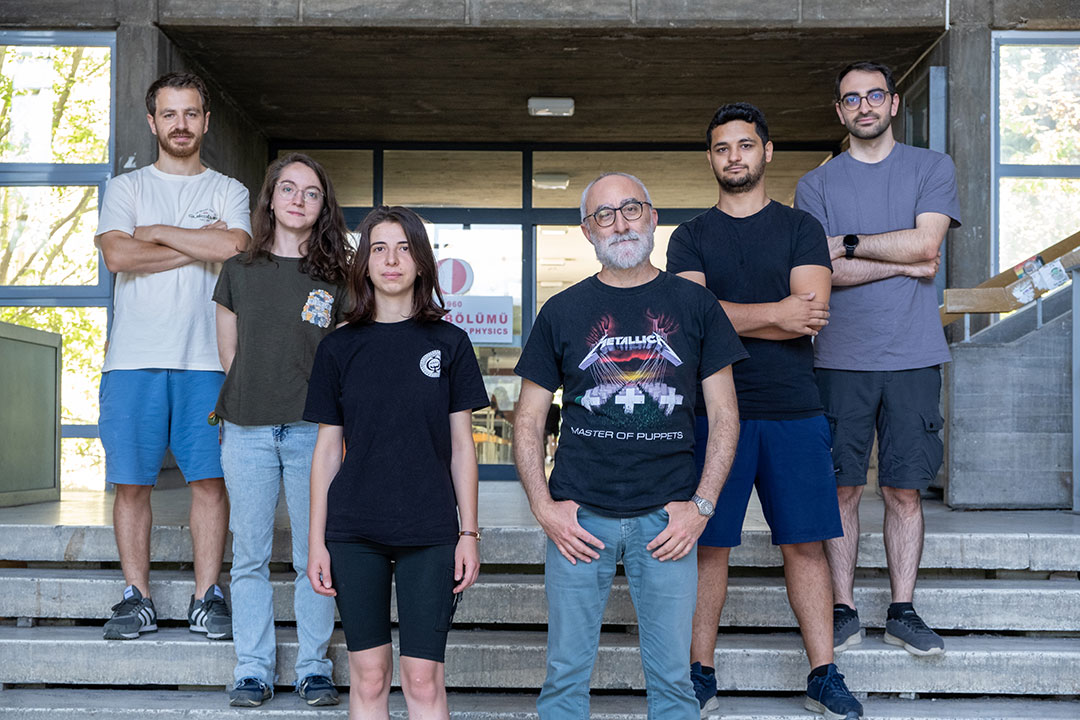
x,y
489,320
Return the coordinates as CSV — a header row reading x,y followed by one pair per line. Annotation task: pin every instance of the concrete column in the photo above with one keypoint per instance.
x,y
141,57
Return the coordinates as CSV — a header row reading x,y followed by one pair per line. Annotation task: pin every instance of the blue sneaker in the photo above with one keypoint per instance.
x,y
250,692
829,696
318,690
704,680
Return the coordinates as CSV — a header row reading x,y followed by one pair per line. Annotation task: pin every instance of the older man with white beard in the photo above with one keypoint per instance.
x,y
629,346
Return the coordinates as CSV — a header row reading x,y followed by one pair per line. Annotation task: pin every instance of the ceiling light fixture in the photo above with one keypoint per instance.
x,y
551,107
551,181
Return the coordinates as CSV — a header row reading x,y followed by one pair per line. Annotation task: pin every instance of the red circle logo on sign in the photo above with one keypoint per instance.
x,y
455,276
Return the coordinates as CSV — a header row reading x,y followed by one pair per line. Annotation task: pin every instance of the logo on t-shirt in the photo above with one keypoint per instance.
x,y
317,308
431,364
631,368
206,216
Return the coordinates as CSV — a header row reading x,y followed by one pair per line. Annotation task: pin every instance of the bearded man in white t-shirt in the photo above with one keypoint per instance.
x,y
164,230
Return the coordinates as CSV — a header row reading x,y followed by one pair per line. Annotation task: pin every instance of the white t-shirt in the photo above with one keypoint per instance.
x,y
166,319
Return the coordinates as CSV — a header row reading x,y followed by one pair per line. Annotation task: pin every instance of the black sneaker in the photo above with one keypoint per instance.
x,y
704,687
909,631
131,616
827,694
846,628
210,615
318,690
250,692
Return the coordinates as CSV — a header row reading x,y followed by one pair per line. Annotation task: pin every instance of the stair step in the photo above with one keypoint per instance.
x,y
515,659
1049,550
55,704
948,603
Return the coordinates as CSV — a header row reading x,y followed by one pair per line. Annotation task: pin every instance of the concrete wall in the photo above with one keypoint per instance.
x,y
1010,434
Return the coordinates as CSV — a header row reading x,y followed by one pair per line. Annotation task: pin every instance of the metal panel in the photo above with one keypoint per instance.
x,y
30,362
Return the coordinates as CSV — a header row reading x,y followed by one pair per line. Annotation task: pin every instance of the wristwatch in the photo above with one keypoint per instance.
x,y
850,243
704,507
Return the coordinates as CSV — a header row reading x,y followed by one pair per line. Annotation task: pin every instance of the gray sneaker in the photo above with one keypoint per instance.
x,y
210,615
847,630
131,616
910,632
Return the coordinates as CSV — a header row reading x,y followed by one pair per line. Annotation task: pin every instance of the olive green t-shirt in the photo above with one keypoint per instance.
x,y
281,315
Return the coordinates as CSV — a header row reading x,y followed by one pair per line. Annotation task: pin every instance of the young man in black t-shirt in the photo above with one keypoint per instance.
x,y
769,267
629,346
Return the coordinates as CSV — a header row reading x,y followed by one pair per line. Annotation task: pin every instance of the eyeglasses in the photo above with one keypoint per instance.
x,y
874,98
631,210
288,191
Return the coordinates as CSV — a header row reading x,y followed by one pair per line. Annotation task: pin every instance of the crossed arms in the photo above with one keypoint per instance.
x,y
912,253
157,248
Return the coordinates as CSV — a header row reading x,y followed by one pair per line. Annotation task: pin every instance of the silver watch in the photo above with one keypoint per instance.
x,y
704,507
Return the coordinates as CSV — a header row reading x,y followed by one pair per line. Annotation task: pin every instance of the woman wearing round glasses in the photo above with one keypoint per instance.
x,y
276,301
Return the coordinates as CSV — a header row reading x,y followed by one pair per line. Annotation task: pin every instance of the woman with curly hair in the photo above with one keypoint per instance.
x,y
398,385
276,301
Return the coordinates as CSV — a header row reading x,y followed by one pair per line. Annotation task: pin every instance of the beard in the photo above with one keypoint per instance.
x,y
624,250
179,151
743,183
869,132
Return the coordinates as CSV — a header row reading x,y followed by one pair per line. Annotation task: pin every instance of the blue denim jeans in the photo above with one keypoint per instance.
x,y
256,460
664,595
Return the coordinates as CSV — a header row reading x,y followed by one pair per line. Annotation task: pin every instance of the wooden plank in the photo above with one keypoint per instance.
x,y
980,300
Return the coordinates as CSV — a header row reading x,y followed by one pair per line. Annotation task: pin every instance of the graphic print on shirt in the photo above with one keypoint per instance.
x,y
629,372
205,216
431,364
317,309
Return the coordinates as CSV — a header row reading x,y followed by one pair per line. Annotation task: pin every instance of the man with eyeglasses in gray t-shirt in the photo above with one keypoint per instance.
x,y
886,208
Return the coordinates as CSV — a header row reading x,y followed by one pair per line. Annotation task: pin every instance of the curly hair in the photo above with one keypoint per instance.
x,y
428,304
326,254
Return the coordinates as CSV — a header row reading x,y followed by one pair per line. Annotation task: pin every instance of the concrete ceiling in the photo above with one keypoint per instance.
x,y
471,85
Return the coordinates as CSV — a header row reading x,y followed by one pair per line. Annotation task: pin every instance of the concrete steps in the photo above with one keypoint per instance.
x,y
167,705
511,659
1042,546
948,603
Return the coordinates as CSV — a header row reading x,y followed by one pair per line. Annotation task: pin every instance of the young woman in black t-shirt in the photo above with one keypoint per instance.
x,y
397,385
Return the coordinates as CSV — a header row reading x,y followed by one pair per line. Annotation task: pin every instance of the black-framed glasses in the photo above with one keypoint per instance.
x,y
288,191
874,98
631,210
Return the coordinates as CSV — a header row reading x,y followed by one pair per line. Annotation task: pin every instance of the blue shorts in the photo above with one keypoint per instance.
x,y
790,462
145,412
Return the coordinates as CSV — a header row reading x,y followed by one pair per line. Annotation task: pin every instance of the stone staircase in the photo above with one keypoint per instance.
x,y
1002,588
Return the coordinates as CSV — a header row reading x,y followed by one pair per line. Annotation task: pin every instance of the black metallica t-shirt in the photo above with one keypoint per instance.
x,y
629,361
749,260
393,386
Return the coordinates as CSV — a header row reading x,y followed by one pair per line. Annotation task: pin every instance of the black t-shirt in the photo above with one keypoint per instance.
x,y
393,386
749,260
629,361
281,315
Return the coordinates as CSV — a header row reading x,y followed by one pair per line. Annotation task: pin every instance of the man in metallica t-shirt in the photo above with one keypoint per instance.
x,y
628,346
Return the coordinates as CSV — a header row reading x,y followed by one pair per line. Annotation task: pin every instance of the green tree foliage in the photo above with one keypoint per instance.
x,y
46,233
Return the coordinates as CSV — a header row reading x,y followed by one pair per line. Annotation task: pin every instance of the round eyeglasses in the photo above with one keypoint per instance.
x,y
288,191
874,98
631,210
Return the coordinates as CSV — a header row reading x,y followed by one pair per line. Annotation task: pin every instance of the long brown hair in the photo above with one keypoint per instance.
x,y
425,288
327,254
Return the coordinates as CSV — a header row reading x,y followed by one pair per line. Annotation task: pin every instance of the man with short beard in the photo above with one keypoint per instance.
x,y
886,207
629,346
768,266
164,230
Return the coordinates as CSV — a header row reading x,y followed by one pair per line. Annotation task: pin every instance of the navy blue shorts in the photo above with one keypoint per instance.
x,y
790,462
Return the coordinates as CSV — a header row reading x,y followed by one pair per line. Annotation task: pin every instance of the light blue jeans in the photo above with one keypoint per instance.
x,y
664,595
256,460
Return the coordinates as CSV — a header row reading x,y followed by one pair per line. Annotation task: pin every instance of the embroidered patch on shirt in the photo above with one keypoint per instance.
x,y
431,364
317,308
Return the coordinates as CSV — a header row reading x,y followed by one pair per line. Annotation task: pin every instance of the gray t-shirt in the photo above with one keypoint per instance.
x,y
281,315
894,323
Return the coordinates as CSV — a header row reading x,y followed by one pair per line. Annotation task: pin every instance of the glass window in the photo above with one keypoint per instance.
x,y
351,172
82,464
47,235
1039,93
1035,213
54,104
450,178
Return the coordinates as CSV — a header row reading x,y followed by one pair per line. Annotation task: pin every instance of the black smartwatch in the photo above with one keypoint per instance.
x,y
850,243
